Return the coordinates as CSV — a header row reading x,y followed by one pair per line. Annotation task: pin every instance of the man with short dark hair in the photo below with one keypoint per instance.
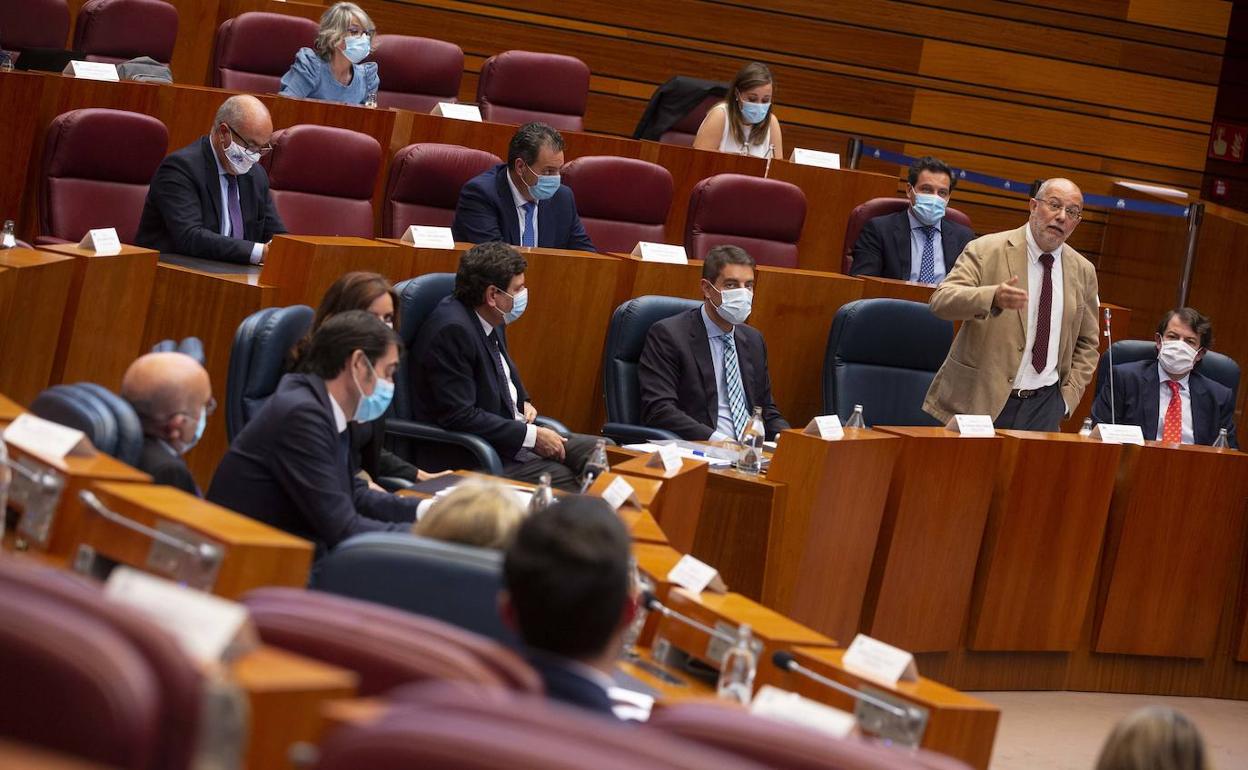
x,y
703,371
289,467
1167,396
919,243
465,380
523,202
569,593
172,395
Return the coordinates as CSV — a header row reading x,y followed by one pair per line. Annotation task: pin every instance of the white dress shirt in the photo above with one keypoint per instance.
x,y
1163,403
530,435
518,198
1027,378
917,240
340,417
257,249
724,430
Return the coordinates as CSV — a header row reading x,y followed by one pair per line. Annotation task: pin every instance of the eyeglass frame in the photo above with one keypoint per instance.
x,y
247,145
355,31
1056,206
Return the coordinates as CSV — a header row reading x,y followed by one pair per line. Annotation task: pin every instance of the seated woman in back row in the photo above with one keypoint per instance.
x,y
743,123
334,71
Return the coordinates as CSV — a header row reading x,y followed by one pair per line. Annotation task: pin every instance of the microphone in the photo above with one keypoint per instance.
x,y
652,603
771,153
1109,351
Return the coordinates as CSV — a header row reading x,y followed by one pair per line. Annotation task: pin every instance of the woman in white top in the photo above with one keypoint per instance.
x,y
743,123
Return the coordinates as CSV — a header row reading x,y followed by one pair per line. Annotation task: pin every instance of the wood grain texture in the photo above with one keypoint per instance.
x,y
678,502
738,513
10,410
304,267
34,292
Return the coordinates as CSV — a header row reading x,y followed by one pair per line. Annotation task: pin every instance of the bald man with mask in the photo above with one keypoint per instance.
x,y
172,395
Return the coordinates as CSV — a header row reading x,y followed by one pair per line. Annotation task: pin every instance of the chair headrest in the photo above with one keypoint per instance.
x,y
749,206
417,298
323,160
419,65
263,42
104,144
127,28
622,189
890,332
432,174
33,24
631,322
106,418
543,82
191,346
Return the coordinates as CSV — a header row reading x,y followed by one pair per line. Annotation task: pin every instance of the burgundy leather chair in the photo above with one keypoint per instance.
x,y
33,24
878,207
385,646
255,49
686,129
97,164
620,200
417,72
762,216
322,179
119,30
424,183
523,86
781,744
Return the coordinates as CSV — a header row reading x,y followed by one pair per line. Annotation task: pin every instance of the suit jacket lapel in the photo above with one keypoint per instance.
x,y
1151,394
486,348
949,245
510,215
745,361
1203,410
706,368
901,244
1016,261
214,182
1070,295
546,227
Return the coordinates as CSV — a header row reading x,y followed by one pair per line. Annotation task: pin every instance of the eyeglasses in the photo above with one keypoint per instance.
x,y
1074,212
355,31
265,150
209,408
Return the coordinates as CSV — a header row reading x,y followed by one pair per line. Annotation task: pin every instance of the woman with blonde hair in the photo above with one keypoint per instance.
x,y
481,513
334,69
744,123
1154,738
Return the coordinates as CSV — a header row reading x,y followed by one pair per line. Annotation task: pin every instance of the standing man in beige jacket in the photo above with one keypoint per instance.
x,y
1028,302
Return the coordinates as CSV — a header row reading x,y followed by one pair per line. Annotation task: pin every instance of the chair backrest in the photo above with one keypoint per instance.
x,y
762,216
523,86
620,200
258,360
106,418
322,179
424,183
417,298
883,354
878,207
417,72
626,336
97,164
119,30
384,646
454,583
1216,366
190,346
33,24
686,129
253,50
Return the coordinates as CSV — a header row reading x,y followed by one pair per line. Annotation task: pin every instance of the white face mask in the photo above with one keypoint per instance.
x,y
735,305
240,158
1177,357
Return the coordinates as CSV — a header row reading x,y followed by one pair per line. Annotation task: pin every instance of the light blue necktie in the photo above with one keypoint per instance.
x,y
927,267
529,238
736,393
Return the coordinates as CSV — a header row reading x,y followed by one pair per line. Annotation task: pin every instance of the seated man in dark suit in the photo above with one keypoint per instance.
x,y
289,467
211,199
173,397
917,244
1145,391
568,592
523,202
703,371
464,379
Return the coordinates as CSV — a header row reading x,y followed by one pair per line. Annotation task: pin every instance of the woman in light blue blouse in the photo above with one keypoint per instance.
x,y
333,71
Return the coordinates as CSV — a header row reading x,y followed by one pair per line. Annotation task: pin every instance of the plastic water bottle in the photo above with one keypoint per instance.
x,y
1086,428
1223,441
736,673
595,466
5,476
6,62
9,239
371,100
543,496
751,458
856,419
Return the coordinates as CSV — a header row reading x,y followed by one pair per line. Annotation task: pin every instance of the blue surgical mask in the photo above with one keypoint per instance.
x,y
755,112
375,404
199,431
735,305
357,48
929,209
518,304
545,187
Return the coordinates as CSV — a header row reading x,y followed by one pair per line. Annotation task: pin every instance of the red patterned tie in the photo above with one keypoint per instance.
x,y
1172,428
1044,312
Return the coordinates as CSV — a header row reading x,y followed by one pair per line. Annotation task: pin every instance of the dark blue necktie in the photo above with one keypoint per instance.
x,y
530,229
236,213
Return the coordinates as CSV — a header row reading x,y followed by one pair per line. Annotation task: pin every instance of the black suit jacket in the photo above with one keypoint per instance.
x,y
182,213
487,212
288,468
883,246
1137,394
455,382
677,377
567,685
165,467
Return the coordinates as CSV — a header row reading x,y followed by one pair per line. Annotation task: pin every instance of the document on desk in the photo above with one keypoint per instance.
x,y
716,457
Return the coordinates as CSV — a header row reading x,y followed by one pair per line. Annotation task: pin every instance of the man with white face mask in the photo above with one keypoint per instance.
x,y
703,371
1166,396
211,198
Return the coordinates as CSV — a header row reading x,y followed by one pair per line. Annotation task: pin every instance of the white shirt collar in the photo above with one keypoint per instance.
x,y
340,417
486,326
516,195
1033,249
712,328
915,224
1163,375
220,168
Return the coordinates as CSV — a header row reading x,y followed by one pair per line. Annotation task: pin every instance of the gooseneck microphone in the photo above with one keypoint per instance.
x,y
1109,351
785,661
652,603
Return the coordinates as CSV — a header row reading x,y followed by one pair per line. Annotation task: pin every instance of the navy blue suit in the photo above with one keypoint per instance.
x,y
883,245
487,212
289,469
1137,393
567,685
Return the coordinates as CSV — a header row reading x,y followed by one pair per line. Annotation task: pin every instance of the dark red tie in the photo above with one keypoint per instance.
x,y
1044,312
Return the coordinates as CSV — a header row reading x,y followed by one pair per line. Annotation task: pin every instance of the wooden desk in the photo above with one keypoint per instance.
x,y
34,291
30,757
10,410
254,555
677,503
302,268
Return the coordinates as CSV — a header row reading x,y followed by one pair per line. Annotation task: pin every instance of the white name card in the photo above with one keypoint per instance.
x,y
973,425
104,242
667,457
879,661
815,158
774,703
661,252
427,237
91,70
1118,434
46,438
696,576
458,111
619,492
825,426
209,628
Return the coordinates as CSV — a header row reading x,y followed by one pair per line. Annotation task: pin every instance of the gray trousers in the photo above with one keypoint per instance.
x,y
1043,411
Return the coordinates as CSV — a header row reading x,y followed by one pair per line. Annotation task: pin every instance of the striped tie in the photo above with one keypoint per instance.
x,y
927,267
736,392
529,238
1044,313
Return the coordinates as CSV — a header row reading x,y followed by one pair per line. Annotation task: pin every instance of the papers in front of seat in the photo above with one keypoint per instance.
x,y
630,705
774,703
716,457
